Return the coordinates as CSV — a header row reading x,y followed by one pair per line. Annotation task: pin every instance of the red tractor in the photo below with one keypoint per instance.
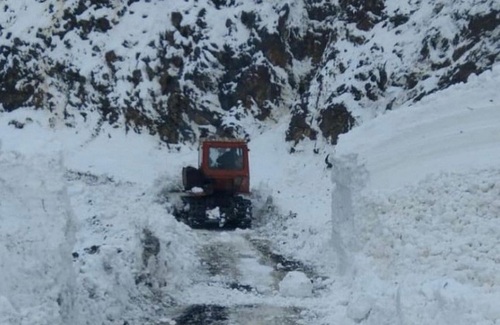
x,y
213,191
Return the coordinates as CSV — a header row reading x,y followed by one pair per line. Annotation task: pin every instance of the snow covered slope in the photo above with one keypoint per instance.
x,y
198,66
455,130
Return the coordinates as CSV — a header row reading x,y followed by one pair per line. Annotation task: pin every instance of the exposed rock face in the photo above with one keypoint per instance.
x,y
300,128
335,120
14,90
201,68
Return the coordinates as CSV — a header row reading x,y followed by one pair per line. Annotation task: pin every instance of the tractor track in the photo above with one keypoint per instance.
x,y
238,283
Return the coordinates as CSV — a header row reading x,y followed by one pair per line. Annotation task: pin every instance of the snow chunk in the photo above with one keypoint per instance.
x,y
360,308
214,214
197,190
296,284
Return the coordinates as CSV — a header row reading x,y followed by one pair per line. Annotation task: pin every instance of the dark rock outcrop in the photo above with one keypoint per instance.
x,y
335,120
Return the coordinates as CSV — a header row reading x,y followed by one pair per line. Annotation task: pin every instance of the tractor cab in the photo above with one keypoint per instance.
x,y
224,163
223,167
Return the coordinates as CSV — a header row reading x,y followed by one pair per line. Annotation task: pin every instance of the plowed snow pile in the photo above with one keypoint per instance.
x,y
36,234
81,240
416,210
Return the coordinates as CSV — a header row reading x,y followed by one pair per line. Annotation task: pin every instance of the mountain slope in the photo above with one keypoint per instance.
x,y
205,67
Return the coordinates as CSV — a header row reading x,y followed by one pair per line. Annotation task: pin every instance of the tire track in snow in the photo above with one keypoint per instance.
x,y
239,284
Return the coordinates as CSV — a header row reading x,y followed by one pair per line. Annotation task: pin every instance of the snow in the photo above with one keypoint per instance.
x,y
296,284
75,223
452,131
197,190
36,234
416,209
360,309
404,229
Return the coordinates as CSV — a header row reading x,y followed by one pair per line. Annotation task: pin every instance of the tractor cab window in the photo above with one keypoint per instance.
x,y
226,158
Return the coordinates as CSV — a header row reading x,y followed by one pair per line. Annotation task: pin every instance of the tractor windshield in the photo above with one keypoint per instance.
x,y
225,158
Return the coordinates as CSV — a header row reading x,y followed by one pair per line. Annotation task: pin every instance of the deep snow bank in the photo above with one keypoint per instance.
x,y
131,255
416,210
84,234
292,196
36,236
